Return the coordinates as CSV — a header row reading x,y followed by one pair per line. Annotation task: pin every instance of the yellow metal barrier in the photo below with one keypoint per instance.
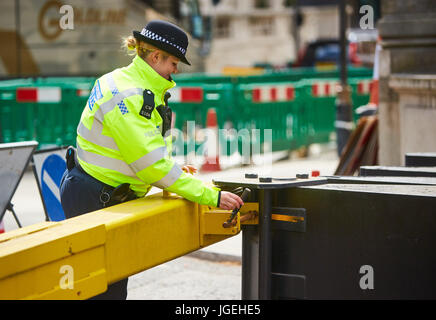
x,y
77,258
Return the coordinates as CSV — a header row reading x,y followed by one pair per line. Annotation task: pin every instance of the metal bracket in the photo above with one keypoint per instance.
x,y
211,222
289,219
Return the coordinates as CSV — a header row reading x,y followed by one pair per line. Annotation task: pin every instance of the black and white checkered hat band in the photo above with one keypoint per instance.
x,y
151,35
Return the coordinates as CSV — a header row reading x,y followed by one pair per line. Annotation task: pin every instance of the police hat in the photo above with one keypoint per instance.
x,y
165,36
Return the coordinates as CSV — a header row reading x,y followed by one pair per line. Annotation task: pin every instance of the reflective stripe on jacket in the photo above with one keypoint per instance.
x,y
115,144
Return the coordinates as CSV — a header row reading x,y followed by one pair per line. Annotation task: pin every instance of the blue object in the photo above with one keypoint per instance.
x,y
51,175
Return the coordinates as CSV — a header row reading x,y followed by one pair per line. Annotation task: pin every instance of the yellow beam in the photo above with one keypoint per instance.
x,y
77,258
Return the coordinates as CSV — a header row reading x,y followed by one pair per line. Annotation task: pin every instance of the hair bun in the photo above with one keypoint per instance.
x,y
131,43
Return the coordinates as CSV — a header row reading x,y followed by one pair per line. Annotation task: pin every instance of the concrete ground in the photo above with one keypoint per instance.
x,y
212,273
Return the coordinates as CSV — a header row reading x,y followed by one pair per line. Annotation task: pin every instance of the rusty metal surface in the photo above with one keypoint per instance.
x,y
383,180
398,171
407,190
276,182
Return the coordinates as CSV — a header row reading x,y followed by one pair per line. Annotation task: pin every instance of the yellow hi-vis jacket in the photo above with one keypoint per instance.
x,y
116,144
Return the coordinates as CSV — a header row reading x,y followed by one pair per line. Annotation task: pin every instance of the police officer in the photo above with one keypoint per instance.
x,y
122,146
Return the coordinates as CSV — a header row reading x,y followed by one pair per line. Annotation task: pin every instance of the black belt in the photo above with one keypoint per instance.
x,y
109,195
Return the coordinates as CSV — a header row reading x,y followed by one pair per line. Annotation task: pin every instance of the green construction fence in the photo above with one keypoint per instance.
x,y
48,110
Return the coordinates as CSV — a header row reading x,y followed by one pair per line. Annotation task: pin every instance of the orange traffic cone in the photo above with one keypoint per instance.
x,y
211,158
373,94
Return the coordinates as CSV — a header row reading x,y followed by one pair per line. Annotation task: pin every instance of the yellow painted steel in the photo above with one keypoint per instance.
x,y
77,258
281,217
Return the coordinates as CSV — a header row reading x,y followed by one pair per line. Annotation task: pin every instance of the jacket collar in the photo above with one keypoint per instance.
x,y
158,83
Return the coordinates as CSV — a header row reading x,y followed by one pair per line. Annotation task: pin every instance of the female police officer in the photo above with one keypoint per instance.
x,y
122,149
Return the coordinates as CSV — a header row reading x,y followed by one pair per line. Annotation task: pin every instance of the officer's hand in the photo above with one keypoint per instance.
x,y
189,169
230,201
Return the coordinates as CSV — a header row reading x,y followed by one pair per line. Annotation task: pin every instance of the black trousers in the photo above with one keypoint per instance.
x,y
80,194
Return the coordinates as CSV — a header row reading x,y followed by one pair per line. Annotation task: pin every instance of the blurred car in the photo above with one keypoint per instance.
x,y
324,52
327,52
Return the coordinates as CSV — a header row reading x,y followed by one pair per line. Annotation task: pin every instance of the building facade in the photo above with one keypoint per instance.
x,y
250,32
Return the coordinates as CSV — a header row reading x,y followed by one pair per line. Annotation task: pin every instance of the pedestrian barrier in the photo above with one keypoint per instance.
x,y
46,110
298,106
77,258
270,106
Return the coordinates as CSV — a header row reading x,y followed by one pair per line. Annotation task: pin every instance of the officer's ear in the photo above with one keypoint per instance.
x,y
153,57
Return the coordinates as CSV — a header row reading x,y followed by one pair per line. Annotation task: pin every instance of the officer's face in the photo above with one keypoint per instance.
x,y
166,66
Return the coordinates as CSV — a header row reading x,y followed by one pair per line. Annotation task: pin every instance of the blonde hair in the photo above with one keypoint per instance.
x,y
134,46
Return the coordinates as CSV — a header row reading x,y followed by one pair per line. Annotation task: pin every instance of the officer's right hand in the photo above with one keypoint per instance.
x,y
230,201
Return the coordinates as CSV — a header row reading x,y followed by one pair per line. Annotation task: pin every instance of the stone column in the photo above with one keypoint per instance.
x,y
416,100
408,57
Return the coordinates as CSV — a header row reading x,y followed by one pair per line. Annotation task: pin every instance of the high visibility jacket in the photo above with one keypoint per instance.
x,y
116,144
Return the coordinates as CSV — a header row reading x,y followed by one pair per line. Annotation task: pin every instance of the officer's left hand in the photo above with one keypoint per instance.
x,y
189,169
